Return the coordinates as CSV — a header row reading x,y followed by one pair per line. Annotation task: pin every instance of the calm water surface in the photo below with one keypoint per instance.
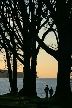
x,y
40,85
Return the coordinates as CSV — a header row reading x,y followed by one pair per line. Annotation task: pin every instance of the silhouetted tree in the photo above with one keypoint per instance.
x,y
62,16
3,44
13,81
29,34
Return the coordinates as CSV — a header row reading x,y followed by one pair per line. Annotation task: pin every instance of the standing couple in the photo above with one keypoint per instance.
x,y
50,91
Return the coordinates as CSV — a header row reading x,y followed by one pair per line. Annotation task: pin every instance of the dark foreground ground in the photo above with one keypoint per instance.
x,y
15,101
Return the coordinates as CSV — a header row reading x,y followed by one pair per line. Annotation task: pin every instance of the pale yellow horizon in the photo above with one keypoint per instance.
x,y
47,66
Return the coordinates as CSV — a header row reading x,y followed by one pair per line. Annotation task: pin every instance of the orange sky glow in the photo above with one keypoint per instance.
x,y
47,66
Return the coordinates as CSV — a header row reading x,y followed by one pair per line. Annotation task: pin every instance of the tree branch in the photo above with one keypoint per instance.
x,y
50,8
47,49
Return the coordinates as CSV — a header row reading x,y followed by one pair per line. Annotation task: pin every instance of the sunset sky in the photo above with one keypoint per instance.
x,y
47,66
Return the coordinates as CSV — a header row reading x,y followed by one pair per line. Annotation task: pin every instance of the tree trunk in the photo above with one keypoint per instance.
x,y
14,74
26,83
26,80
33,68
63,77
33,73
33,34
9,68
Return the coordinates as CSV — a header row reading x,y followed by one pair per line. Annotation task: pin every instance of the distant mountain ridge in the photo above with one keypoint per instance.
x,y
4,74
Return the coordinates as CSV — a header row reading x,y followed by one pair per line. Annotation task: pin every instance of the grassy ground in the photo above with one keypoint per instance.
x,y
11,101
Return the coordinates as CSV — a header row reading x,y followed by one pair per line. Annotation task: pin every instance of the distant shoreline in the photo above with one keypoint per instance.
x,y
4,74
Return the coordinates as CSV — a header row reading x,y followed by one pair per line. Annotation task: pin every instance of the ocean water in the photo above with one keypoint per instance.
x,y
40,85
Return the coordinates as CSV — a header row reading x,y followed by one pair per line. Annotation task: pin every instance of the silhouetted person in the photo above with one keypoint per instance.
x,y
51,92
46,91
